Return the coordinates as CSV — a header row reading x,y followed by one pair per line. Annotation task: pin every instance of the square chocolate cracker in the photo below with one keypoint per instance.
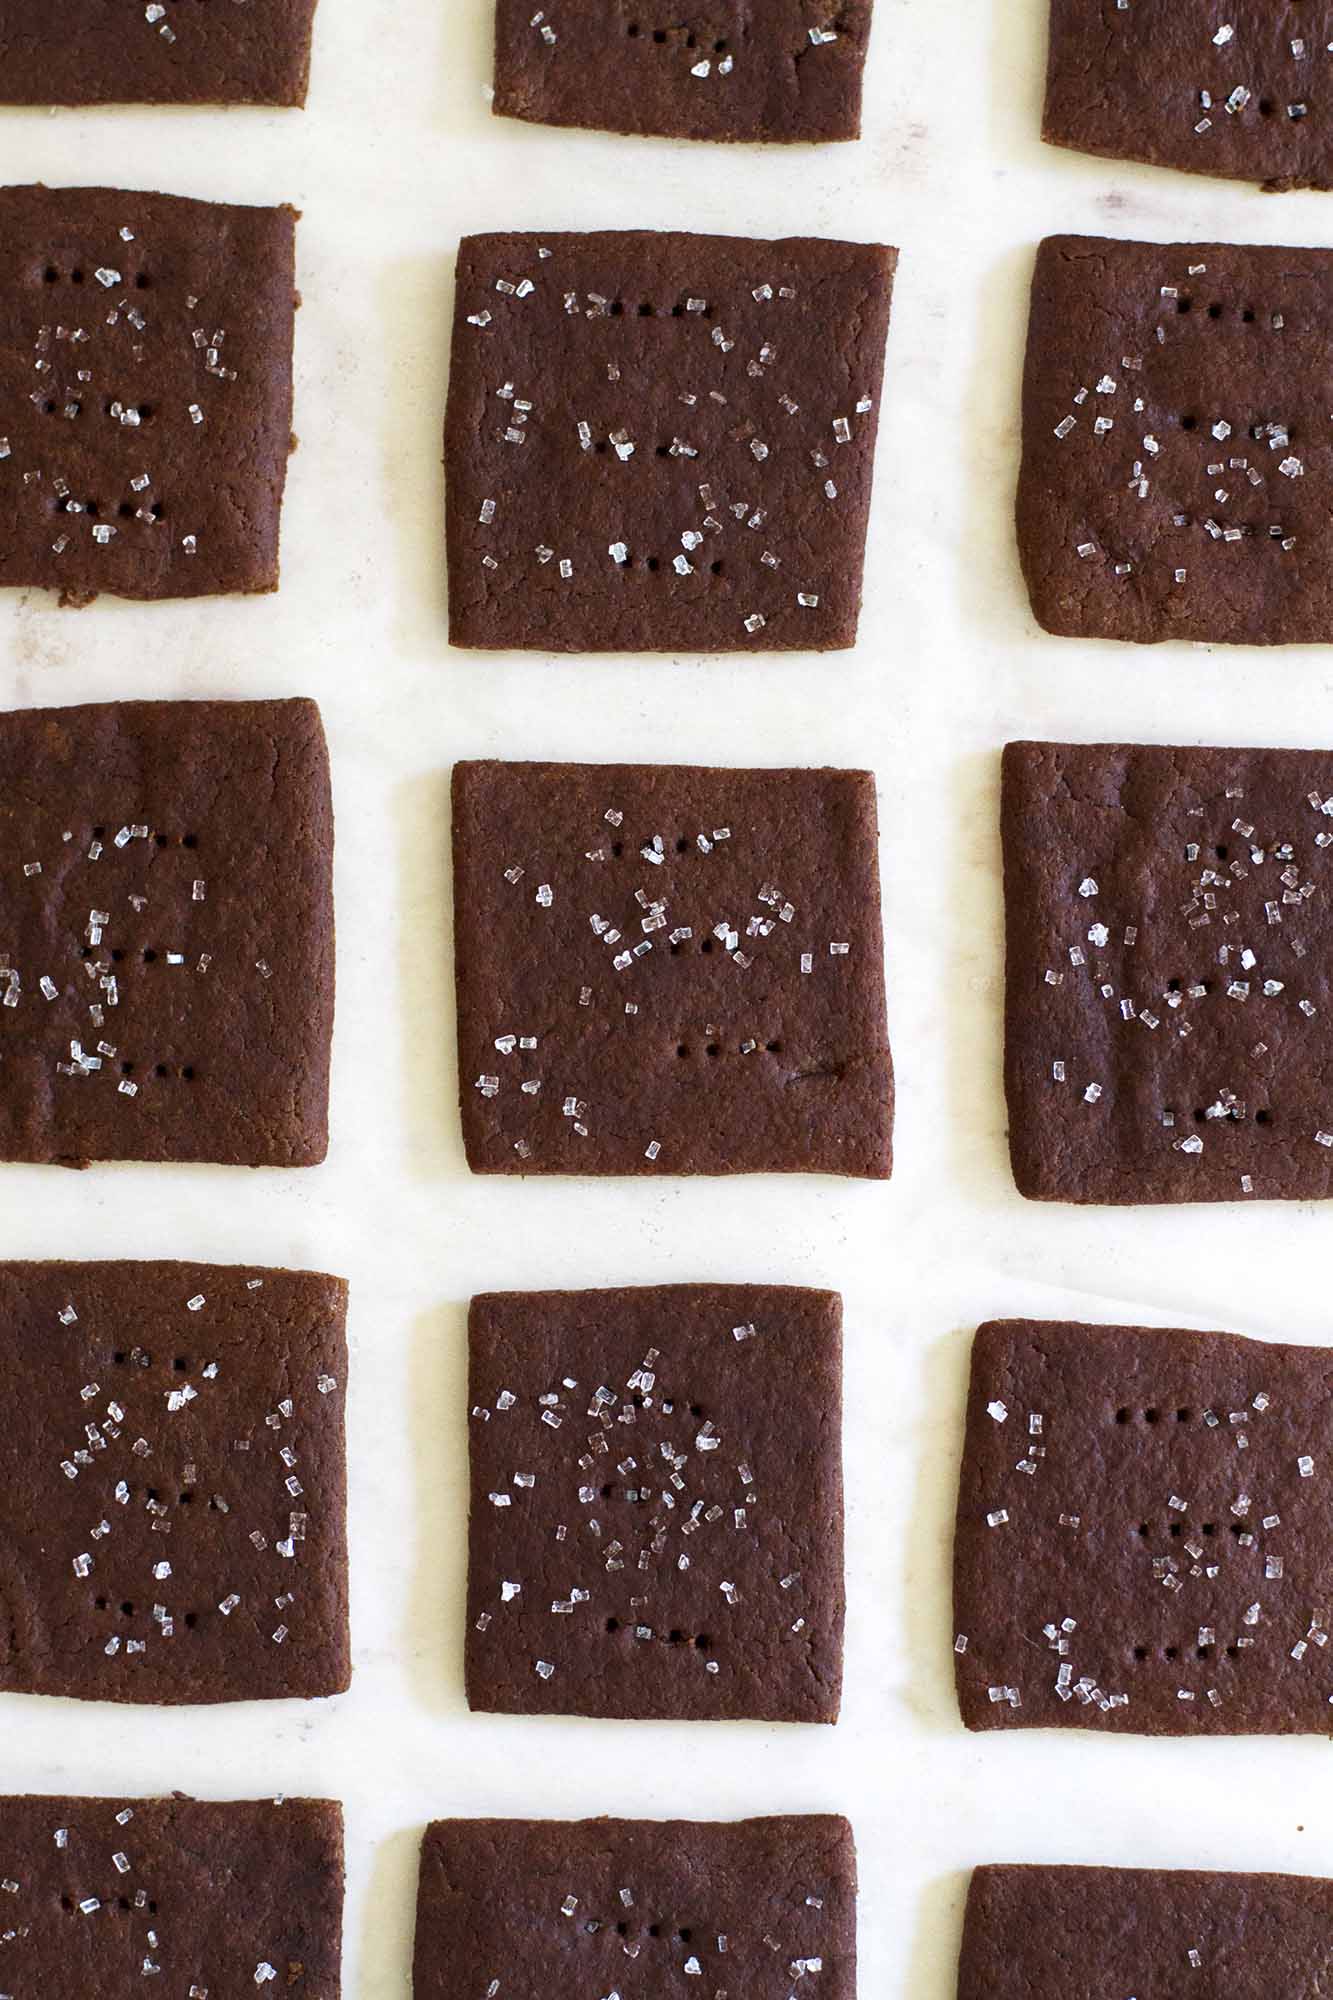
x,y
1169,944
669,970
588,1906
1182,83
656,1518
104,1895
166,933
145,389
1177,454
172,1503
789,70
1144,1541
1029,1933
103,52
658,442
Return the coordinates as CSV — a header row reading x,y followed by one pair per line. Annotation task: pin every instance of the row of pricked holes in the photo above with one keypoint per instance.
x,y
68,1904
662,450
709,943
683,845
126,510
633,30
149,954
187,1072
1234,1117
1177,1528
683,1936
1191,423
654,564
75,409
675,1638
1141,1653
1125,1415
1246,313
159,839
139,1359
51,276
715,1049
617,309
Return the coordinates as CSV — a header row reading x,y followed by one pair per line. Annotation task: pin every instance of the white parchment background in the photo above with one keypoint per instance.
x,y
396,156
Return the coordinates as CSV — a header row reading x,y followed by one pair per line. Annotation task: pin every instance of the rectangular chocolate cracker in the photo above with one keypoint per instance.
x,y
660,442
1168,946
656,1515
173,1502
145,389
103,1896
166,933
1180,83
546,1906
669,970
1177,453
1049,1933
101,52
725,71
1143,1540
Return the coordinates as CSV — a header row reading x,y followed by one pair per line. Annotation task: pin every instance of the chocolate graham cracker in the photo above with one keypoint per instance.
x,y
536,1906
146,381
1143,1539
660,442
1177,454
669,970
155,52
1168,942
1041,1933
166,933
785,71
172,1502
103,1896
656,1517
1182,83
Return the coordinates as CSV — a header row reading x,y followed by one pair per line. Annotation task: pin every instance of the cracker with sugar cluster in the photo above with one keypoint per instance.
x,y
1235,90
166,933
538,1906
203,1897
787,71
145,391
656,1517
660,442
669,970
1177,449
1143,1542
1047,1933
155,52
172,1506
1168,942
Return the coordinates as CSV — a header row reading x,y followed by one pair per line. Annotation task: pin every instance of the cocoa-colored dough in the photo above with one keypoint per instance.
x,y
742,1386
727,70
1043,1933
1237,91
654,1903
658,442
108,52
186,1415
1143,1540
691,1041
116,1897
1177,453
1169,943
145,388
125,1053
